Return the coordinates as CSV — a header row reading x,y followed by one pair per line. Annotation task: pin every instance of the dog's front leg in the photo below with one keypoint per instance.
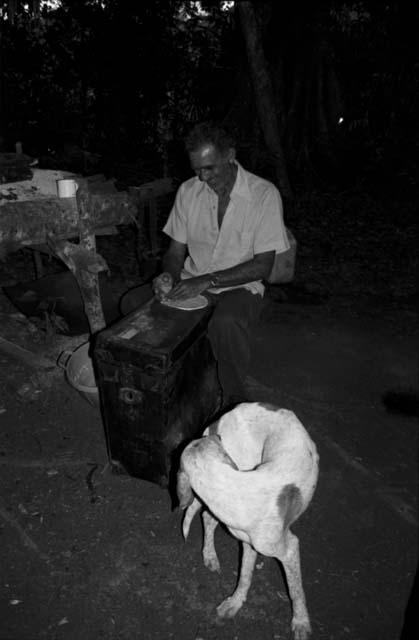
x,y
300,625
208,551
231,605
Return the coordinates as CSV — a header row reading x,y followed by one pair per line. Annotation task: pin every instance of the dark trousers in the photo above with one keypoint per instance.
x,y
230,331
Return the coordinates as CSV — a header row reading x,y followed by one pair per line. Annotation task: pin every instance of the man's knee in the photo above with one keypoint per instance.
x,y
224,325
237,312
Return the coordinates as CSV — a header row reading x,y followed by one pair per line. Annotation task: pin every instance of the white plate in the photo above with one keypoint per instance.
x,y
188,304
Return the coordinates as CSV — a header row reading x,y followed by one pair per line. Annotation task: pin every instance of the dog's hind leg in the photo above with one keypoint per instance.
x,y
208,551
290,558
231,605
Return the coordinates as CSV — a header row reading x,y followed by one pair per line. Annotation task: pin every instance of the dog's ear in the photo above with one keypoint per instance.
x,y
184,489
212,429
222,454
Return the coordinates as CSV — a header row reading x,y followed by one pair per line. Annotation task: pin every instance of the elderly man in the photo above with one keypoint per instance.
x,y
226,226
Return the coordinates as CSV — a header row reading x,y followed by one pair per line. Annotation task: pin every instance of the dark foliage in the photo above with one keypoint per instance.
x,y
125,79
113,86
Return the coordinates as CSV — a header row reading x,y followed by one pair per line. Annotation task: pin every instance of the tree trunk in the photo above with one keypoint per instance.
x,y
2,111
11,10
264,95
36,8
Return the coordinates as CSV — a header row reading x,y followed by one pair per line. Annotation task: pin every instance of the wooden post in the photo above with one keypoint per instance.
x,y
83,261
88,280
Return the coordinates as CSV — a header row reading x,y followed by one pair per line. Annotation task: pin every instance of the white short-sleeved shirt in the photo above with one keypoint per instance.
x,y
253,223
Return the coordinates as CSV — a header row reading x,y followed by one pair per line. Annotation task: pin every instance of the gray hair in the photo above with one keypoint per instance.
x,y
209,133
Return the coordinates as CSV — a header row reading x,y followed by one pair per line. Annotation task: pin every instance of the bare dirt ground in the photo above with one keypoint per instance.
x,y
87,554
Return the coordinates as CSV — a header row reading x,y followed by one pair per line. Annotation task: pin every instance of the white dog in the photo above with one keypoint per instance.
x,y
255,470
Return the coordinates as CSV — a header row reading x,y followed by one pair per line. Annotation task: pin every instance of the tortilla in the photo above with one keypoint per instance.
x,y
188,304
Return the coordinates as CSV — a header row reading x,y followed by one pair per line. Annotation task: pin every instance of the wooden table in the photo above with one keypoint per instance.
x,y
49,222
46,222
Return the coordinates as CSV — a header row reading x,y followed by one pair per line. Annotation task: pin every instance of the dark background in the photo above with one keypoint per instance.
x,y
110,86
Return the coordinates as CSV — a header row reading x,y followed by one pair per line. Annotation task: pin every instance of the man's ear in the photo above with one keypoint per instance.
x,y
231,154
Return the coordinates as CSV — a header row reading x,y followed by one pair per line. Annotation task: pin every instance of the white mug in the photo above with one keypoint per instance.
x,y
67,188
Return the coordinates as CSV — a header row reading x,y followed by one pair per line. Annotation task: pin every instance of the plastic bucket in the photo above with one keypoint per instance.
x,y
79,372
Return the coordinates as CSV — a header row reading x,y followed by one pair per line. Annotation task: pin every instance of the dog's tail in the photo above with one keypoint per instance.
x,y
190,513
187,499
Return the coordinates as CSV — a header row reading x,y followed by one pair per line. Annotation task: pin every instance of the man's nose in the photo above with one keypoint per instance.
x,y
203,174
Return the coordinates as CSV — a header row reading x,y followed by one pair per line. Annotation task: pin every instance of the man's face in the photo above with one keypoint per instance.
x,y
212,166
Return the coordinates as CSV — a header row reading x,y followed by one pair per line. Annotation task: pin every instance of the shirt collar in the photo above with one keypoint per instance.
x,y
241,186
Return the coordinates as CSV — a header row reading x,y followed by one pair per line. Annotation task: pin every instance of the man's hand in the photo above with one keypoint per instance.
x,y
162,285
189,288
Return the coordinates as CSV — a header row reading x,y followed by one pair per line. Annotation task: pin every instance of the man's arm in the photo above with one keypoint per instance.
x,y
259,268
172,265
174,258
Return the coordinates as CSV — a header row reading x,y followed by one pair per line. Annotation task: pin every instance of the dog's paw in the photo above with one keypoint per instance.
x,y
301,630
229,608
212,563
